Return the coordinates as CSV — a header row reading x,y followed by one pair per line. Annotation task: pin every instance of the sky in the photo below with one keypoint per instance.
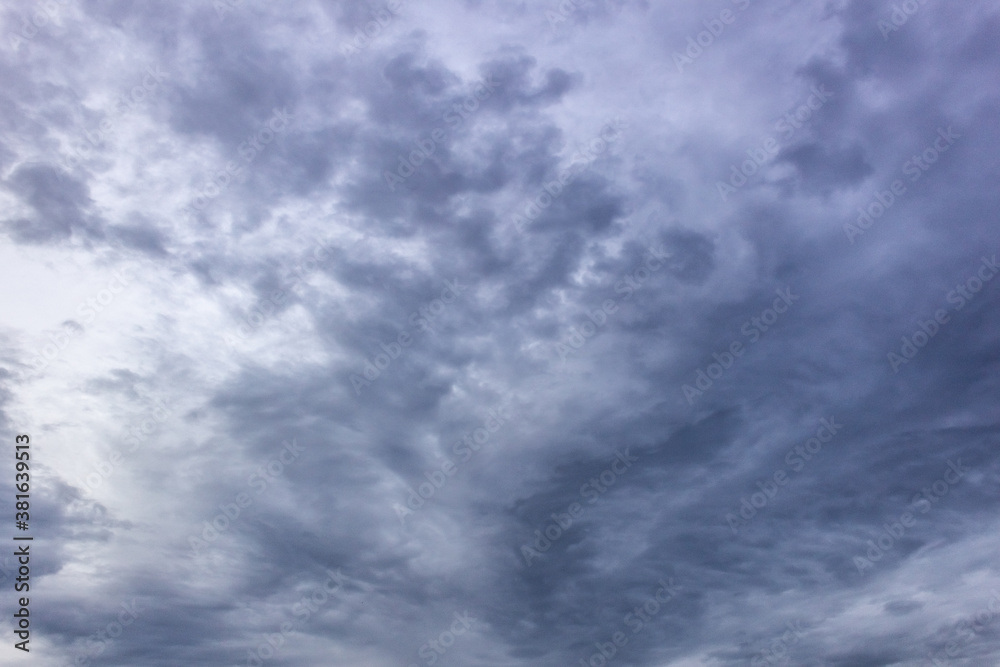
x,y
499,333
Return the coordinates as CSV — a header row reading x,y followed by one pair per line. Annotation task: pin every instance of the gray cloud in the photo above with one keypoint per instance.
x,y
330,406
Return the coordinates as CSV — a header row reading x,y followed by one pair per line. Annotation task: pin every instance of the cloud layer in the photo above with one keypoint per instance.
x,y
500,333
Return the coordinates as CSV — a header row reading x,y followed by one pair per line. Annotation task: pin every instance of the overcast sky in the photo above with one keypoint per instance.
x,y
503,333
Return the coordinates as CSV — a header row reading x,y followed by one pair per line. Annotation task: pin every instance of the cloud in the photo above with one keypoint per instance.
x,y
273,234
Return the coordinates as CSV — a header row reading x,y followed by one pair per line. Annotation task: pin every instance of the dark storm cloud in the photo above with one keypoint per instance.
x,y
142,236
700,396
822,171
59,204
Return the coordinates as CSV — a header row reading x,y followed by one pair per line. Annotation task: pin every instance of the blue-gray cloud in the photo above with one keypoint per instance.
x,y
482,333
